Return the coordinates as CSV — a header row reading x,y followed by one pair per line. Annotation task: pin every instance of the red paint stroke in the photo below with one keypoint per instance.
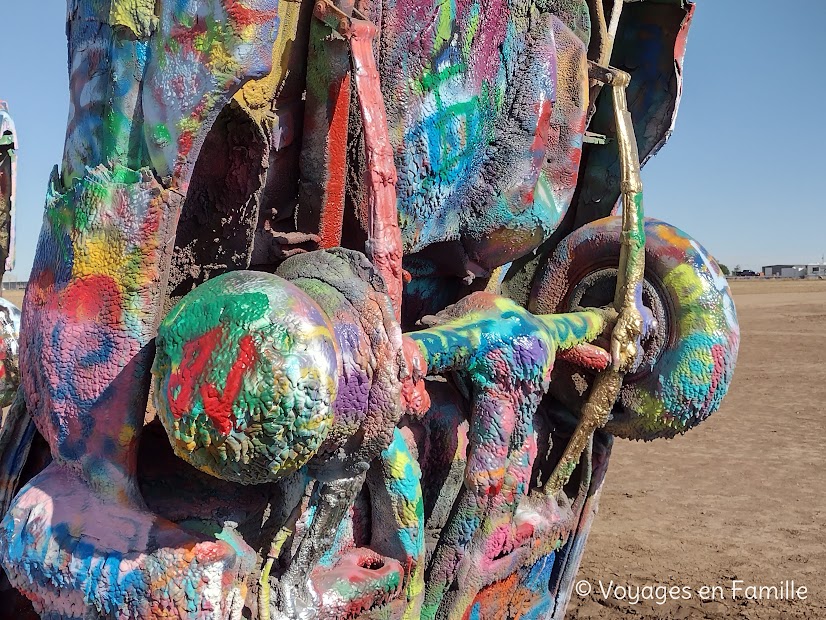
x,y
185,35
332,216
587,356
219,406
415,397
494,598
539,146
682,37
244,16
195,357
94,298
185,142
543,130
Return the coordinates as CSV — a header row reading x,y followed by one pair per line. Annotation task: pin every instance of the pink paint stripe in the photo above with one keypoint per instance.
x,y
384,238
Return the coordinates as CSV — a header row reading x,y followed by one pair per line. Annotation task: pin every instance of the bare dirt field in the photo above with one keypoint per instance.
x,y
15,297
743,496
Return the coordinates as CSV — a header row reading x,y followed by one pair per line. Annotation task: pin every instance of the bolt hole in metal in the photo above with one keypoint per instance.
x,y
371,563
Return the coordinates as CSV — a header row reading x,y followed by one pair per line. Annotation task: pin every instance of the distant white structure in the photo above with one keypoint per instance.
x,y
795,271
12,283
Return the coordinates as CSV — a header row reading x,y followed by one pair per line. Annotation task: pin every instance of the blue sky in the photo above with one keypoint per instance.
x,y
742,172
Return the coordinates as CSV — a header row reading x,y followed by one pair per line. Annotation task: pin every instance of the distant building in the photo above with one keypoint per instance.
x,y
12,283
795,271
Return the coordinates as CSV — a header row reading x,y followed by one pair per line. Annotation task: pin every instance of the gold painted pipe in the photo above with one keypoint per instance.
x,y
628,327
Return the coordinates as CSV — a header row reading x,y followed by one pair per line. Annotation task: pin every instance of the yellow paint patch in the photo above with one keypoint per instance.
x,y
221,60
257,95
127,434
136,15
651,409
101,254
398,464
687,286
415,591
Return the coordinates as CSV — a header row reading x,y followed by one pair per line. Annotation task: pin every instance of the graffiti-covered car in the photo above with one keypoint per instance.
x,y
337,308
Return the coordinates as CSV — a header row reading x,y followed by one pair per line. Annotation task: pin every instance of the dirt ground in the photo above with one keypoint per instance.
x,y
741,497
15,297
